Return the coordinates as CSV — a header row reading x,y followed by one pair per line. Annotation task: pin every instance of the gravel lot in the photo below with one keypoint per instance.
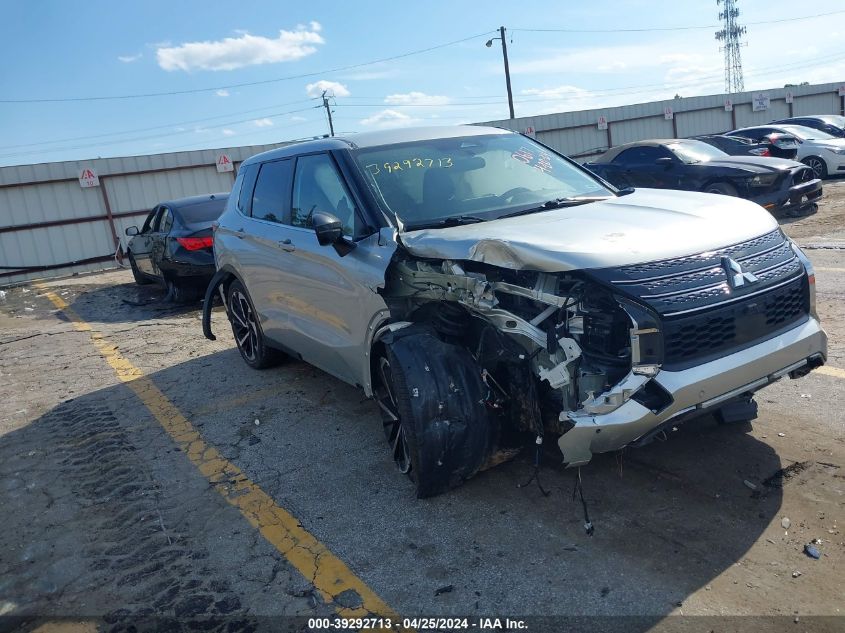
x,y
106,519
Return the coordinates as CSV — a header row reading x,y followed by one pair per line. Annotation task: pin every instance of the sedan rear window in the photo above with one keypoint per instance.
x,y
488,176
202,211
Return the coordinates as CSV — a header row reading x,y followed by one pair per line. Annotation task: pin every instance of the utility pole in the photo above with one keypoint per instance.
x,y
507,67
730,34
328,113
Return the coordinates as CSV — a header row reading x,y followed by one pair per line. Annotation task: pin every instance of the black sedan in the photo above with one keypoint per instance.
x,y
174,247
776,184
774,145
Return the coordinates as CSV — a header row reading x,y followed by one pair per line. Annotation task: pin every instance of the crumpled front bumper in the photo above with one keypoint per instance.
x,y
694,390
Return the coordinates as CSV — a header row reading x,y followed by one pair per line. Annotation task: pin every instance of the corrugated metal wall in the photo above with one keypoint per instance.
x,y
48,220
577,133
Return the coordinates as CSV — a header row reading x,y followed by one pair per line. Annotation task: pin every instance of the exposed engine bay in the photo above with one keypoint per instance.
x,y
548,345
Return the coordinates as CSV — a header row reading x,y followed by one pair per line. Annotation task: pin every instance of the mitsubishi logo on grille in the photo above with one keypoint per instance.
x,y
736,276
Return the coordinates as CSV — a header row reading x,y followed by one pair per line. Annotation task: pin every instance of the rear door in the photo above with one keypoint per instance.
x,y
163,224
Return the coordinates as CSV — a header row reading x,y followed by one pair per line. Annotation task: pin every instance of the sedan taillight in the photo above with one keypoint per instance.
x,y
761,151
195,243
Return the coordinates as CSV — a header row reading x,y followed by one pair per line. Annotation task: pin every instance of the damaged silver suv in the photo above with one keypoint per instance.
x,y
482,287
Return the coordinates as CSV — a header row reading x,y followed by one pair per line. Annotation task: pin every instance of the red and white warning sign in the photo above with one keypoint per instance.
x,y
668,113
842,91
602,122
530,131
788,97
729,105
224,163
88,178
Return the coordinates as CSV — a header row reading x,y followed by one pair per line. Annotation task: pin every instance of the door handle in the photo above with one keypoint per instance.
x,y
287,245
240,233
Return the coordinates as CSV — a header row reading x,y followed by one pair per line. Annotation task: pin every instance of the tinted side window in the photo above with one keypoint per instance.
x,y
319,187
641,155
271,195
247,176
758,133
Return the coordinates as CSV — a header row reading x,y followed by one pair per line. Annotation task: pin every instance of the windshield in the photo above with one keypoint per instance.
x,y
426,182
806,133
834,119
695,151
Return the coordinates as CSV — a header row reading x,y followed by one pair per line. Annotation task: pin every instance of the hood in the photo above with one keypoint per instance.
x,y
833,143
647,225
754,164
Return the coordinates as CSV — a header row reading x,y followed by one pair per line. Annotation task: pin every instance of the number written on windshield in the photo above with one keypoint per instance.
x,y
408,164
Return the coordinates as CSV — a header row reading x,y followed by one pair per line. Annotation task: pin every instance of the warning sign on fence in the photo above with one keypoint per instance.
x,y
224,163
88,178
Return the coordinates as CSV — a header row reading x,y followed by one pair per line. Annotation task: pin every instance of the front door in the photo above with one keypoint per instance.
x,y
312,300
142,244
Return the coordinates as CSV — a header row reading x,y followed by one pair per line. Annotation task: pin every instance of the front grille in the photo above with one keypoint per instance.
x,y
704,311
681,264
725,329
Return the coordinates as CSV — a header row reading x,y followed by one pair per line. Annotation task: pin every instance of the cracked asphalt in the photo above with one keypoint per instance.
x,y
109,519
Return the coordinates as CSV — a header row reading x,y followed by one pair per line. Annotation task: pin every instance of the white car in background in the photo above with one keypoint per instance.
x,y
823,153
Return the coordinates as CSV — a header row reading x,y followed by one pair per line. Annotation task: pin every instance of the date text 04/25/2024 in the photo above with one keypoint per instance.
x,y
418,624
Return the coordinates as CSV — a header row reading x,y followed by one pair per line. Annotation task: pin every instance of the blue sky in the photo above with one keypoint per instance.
x,y
79,50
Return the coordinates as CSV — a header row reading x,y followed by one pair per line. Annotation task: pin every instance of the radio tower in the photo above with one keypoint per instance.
x,y
730,34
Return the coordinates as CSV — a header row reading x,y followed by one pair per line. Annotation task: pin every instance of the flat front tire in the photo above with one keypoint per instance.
x,y
247,330
432,402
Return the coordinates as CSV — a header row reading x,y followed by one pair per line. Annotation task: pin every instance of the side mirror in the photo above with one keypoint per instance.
x,y
329,232
132,230
328,228
665,161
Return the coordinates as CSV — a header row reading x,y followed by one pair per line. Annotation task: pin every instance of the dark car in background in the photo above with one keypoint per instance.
x,y
174,246
833,124
779,185
774,145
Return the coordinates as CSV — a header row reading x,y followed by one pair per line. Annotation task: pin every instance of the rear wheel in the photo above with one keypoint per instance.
x,y
721,188
248,335
140,279
180,291
818,166
432,401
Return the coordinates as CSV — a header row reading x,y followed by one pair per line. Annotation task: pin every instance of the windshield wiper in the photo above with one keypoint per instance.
x,y
456,220
557,203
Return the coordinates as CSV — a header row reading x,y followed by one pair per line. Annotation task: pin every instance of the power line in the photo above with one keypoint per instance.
x,y
146,138
249,83
157,127
677,28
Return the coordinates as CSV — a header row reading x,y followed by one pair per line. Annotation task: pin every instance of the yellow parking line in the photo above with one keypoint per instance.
x,y
827,370
329,575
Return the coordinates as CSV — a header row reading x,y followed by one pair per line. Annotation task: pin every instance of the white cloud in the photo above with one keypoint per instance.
x,y
245,50
265,122
388,119
128,59
298,118
222,92
227,132
416,98
333,88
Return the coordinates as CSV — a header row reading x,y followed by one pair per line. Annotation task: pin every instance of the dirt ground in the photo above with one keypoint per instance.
x,y
108,521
